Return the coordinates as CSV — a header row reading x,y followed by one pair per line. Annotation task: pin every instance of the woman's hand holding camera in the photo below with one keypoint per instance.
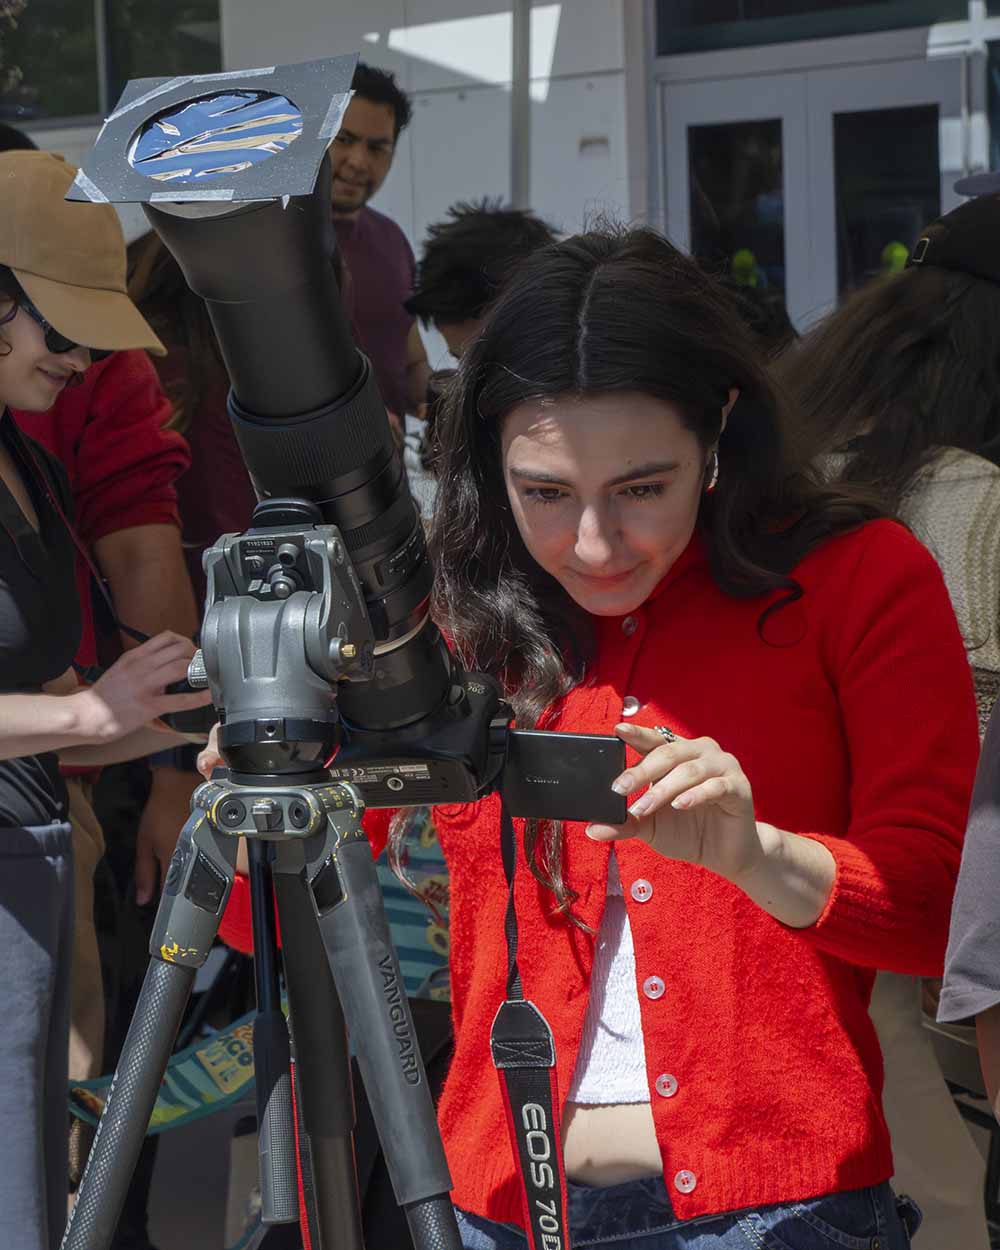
x,y
132,692
699,809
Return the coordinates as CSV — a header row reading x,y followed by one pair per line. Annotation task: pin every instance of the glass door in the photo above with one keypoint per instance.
x,y
885,148
810,183
735,152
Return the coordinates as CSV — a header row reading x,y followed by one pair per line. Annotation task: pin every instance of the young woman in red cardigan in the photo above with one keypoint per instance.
x,y
622,540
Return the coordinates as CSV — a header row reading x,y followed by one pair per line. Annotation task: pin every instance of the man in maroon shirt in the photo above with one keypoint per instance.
x,y
375,251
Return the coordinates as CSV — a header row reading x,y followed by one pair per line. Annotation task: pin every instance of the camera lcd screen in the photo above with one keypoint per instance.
x,y
553,776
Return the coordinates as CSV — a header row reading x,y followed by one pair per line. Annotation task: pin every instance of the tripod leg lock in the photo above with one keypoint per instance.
x,y
195,893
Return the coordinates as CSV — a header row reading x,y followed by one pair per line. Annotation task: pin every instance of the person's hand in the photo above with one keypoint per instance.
x,y
163,817
211,757
698,808
131,693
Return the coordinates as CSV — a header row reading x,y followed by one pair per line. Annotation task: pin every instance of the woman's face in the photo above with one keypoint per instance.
x,y
605,491
32,377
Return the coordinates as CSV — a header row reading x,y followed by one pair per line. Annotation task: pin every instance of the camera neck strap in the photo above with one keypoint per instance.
x,y
92,673
524,1055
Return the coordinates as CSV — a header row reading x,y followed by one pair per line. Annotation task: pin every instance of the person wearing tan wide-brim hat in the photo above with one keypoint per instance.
x,y
62,299
68,257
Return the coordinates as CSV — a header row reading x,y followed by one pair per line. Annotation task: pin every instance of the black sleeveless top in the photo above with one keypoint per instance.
x,y
39,616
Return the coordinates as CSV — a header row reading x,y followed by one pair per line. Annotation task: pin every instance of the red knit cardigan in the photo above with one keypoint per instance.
x,y
852,714
109,433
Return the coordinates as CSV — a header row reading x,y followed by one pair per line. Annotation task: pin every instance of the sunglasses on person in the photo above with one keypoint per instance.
x,y
54,341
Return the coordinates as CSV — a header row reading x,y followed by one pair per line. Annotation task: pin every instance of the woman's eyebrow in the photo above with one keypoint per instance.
x,y
650,469
528,474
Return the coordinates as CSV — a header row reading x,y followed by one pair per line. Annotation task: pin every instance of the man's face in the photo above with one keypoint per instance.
x,y
361,154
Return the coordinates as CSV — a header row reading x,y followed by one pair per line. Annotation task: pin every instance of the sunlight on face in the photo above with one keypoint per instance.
x,y
605,491
361,154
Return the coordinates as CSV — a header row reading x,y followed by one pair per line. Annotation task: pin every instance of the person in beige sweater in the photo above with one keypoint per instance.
x,y
899,395
954,509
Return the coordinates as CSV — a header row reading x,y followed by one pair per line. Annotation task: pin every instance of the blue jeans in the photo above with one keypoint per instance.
x,y
36,936
638,1216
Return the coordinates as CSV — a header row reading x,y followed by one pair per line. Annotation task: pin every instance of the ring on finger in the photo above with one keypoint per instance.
x,y
665,732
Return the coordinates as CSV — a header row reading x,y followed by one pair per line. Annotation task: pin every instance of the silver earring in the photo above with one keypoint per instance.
x,y
712,472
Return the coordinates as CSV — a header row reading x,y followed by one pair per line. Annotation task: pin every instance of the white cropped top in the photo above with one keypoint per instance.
x,y
611,1065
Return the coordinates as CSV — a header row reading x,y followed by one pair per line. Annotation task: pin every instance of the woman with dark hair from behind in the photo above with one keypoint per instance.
x,y
764,314
623,540
899,395
901,386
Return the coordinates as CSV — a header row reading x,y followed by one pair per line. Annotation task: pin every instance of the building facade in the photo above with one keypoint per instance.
x,y
800,144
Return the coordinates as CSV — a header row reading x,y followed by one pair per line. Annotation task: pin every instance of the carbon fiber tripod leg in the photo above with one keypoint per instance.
x,y
347,900
194,895
279,1196
322,1063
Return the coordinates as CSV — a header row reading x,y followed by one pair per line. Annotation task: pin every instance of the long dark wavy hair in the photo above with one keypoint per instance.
x,y
609,311
10,289
157,287
909,364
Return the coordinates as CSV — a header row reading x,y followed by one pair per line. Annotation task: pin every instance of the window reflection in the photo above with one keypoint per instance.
x,y
737,201
888,187
55,48
993,99
54,45
159,38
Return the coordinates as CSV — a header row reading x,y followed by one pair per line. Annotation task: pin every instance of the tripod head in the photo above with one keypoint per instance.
x,y
286,640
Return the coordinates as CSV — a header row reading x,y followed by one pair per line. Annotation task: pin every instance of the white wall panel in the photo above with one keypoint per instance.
x,y
430,44
395,198
260,32
591,37
454,44
460,150
578,160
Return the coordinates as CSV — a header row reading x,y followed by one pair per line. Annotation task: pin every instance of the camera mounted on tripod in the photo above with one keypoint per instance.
x,y
287,633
